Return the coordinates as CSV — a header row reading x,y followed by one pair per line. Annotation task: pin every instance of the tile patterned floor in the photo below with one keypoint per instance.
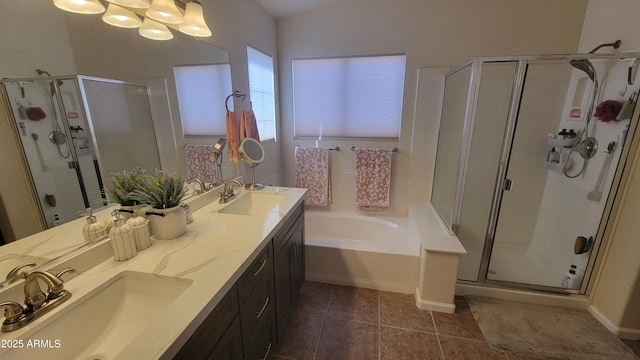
x,y
339,323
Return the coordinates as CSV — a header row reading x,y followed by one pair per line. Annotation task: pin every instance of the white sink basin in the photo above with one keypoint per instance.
x,y
105,321
253,203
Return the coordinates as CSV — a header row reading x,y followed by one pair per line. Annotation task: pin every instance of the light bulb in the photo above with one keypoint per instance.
x,y
164,11
121,17
154,30
136,4
194,23
80,6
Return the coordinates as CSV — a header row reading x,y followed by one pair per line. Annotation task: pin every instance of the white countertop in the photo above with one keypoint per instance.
x,y
214,252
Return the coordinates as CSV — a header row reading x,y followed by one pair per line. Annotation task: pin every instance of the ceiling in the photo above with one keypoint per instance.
x,y
283,8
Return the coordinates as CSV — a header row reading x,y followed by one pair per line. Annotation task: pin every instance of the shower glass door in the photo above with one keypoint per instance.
x,y
542,212
486,126
122,125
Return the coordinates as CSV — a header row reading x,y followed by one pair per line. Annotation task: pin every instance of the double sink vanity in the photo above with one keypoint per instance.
x,y
223,290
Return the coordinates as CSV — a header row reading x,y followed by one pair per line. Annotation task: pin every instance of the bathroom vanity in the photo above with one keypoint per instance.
x,y
251,315
221,291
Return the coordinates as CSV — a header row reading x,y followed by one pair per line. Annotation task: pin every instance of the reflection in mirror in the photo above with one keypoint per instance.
x,y
67,44
54,137
252,154
121,124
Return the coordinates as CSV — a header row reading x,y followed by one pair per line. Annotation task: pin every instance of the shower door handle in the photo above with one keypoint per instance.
x,y
72,165
508,184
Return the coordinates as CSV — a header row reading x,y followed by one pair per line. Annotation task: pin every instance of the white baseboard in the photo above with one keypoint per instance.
x,y
621,332
448,308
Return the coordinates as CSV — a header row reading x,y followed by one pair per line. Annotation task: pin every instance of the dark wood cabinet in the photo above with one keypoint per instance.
x,y
247,321
217,333
230,344
288,266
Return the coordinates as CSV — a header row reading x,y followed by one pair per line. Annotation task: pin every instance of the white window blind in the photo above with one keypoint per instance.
x,y
353,97
201,92
261,87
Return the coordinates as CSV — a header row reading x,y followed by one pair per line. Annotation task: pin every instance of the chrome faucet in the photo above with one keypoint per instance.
x,y
37,303
227,193
203,188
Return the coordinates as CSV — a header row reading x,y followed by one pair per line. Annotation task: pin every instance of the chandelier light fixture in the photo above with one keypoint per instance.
x,y
153,18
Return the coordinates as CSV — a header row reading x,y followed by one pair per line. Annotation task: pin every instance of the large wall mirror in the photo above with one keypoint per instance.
x,y
86,50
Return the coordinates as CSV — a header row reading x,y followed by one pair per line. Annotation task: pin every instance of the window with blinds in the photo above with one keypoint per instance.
x,y
201,92
348,97
262,91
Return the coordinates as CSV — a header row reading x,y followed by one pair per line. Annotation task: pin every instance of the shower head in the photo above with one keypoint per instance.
x,y
586,66
44,72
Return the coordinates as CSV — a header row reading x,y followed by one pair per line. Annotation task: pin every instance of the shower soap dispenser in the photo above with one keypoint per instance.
x,y
93,230
123,241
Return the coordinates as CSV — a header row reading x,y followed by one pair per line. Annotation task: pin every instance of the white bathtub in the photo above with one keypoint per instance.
x,y
376,252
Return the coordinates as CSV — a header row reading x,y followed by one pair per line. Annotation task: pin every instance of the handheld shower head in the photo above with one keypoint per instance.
x,y
586,66
219,146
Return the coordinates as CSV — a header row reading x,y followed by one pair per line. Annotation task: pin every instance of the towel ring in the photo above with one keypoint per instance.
x,y
236,94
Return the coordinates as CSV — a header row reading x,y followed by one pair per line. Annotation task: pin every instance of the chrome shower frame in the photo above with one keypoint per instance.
x,y
590,147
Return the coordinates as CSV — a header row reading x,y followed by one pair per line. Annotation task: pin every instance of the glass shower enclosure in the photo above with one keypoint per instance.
x,y
74,131
526,173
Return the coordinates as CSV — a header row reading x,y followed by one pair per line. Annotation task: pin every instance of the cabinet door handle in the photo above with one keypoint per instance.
x,y
264,307
293,253
264,262
266,355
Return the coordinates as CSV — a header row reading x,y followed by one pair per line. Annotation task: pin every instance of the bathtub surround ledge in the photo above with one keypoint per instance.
x,y
439,259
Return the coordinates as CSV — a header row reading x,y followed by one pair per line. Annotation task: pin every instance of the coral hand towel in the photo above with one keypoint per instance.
x,y
312,172
200,163
373,178
232,137
249,125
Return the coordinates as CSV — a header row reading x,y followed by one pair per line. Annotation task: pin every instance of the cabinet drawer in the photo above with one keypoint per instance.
x,y
264,344
262,265
257,312
212,329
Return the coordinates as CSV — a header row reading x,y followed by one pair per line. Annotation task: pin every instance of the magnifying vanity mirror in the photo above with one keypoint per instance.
x,y
252,154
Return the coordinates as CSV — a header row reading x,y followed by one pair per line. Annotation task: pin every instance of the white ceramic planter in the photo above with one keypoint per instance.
x,y
171,224
126,211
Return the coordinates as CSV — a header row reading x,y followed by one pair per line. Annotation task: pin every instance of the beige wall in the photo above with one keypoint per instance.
x,y
433,33
616,291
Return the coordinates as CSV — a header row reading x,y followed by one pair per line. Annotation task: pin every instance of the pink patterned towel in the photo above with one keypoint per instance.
x,y
373,178
312,172
249,125
200,163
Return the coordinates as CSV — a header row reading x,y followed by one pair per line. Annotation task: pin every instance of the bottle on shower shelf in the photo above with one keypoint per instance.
x,y
571,279
553,156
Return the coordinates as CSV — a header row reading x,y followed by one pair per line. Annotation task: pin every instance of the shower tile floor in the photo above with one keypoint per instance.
x,y
339,322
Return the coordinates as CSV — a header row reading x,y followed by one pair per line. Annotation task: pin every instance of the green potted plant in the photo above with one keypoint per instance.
x,y
163,192
119,188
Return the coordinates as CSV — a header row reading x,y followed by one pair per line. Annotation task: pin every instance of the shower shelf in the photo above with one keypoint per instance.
x,y
556,166
560,142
